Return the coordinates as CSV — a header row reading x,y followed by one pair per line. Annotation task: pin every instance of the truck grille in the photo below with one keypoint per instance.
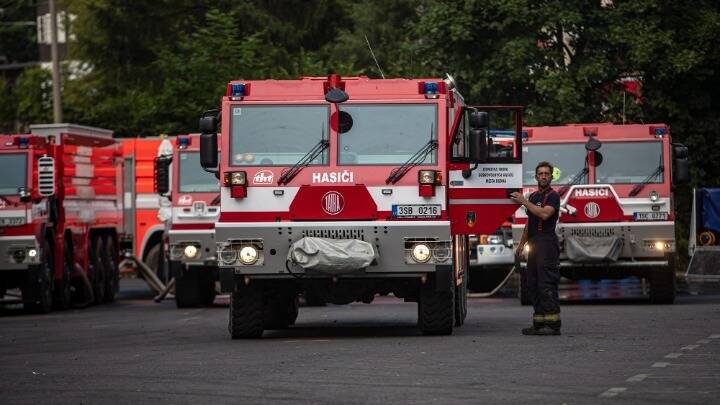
x,y
335,233
591,232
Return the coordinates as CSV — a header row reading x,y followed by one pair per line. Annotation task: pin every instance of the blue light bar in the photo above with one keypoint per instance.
x,y
660,131
237,90
23,142
431,88
183,142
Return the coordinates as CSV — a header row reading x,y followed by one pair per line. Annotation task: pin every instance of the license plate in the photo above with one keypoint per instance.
x,y
416,211
650,216
12,221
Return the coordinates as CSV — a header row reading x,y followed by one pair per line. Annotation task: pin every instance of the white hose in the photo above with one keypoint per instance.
x,y
501,285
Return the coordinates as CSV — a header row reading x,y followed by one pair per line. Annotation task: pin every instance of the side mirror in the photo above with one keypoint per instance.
x,y
208,124
479,120
597,158
592,144
208,150
162,174
681,164
478,149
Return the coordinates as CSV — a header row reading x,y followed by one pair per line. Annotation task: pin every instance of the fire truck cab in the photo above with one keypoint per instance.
x,y
617,216
190,228
350,187
61,215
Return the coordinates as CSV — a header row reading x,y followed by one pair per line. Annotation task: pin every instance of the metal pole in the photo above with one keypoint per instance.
x,y
57,102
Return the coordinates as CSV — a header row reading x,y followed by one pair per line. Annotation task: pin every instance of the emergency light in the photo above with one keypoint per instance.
x,y
431,89
659,131
23,142
237,90
183,142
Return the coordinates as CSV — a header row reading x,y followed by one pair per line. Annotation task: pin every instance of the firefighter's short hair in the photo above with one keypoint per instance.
x,y
545,164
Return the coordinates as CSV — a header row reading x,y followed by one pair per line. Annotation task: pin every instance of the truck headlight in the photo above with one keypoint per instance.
x,y
227,255
191,251
32,253
654,196
248,255
421,253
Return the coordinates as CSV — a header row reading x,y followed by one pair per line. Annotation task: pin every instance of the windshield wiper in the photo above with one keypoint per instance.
x,y
575,180
638,188
289,174
419,157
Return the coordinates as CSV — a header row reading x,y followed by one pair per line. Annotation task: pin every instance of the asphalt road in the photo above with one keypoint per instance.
x,y
136,351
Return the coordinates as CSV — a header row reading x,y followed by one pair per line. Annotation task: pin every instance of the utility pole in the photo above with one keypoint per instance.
x,y
57,101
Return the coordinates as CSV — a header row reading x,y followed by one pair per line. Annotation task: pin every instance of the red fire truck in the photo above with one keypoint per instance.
x,y
61,215
345,188
195,200
144,234
617,217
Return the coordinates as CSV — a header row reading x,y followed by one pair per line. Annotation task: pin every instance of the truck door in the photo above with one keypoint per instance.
x,y
485,166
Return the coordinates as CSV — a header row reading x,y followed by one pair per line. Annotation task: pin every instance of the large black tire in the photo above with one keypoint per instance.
x,y
62,298
313,299
246,311
155,260
111,262
194,287
523,292
281,310
662,285
98,274
38,291
437,310
461,302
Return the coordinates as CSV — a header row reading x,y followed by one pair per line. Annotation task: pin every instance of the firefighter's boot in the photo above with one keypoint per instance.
x,y
552,325
538,324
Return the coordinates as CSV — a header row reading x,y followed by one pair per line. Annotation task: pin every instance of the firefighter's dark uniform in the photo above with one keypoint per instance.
x,y
543,273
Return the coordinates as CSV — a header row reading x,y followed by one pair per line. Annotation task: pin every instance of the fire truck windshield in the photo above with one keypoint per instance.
x,y
193,179
277,135
630,162
378,136
568,159
13,166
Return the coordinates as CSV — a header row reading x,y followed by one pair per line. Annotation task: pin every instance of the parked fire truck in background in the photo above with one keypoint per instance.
x,y
144,229
492,256
353,187
190,230
61,215
617,217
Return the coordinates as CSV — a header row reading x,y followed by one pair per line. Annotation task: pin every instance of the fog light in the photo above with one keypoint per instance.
x,y
32,253
191,251
421,253
659,246
248,255
442,254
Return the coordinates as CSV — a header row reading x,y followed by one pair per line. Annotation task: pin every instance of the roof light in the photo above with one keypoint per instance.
x,y
183,142
23,142
659,131
430,88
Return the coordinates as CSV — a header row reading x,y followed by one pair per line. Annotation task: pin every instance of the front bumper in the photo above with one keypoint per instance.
x,y
202,239
11,244
389,238
492,255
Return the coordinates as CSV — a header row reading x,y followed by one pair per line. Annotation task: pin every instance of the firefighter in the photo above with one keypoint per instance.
x,y
543,273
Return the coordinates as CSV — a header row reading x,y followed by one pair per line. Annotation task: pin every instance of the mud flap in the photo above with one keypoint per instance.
x,y
444,280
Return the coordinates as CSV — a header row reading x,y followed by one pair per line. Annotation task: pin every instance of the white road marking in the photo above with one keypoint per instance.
x,y
702,341
612,392
689,347
661,364
638,378
673,355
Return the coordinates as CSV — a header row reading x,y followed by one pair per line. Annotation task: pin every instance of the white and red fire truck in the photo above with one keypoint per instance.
x,y
195,207
617,217
345,188
61,215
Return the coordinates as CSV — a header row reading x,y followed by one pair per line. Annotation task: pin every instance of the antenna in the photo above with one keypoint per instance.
x,y
374,58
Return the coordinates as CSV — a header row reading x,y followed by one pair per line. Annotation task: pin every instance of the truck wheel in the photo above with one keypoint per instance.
x,y
313,299
437,310
461,302
246,311
206,288
98,275
281,310
39,288
155,260
523,292
112,272
662,285
63,291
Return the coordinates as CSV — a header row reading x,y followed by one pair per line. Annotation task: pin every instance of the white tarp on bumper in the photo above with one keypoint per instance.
x,y
332,256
